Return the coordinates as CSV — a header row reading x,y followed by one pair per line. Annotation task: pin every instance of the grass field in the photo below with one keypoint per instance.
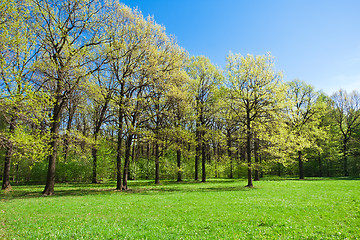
x,y
218,209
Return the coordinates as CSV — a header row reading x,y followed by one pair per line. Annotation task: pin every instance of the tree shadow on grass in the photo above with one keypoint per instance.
x,y
135,187
276,178
145,187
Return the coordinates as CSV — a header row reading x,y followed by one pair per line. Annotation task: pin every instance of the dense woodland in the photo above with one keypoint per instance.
x,y
93,91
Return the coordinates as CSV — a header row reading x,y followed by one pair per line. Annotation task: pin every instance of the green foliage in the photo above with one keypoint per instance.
x,y
79,74
304,115
77,168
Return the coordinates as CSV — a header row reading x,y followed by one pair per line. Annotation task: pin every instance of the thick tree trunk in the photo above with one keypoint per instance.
x,y
7,161
127,161
157,167
256,155
54,131
50,181
178,158
6,178
301,166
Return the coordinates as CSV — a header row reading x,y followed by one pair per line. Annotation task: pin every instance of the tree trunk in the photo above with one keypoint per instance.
x,y
6,178
134,155
229,153
248,151
197,154
50,180
127,161
208,153
157,167
261,172
68,128
216,153
7,161
118,156
240,156
178,158
133,150
54,131
148,151
279,169
256,155
301,166
97,128
94,155
346,172
16,175
203,162
320,166
328,166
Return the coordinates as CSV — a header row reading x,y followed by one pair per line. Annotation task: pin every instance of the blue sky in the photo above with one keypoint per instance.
x,y
316,41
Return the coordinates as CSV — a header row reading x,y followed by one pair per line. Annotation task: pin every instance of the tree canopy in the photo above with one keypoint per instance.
x,y
93,91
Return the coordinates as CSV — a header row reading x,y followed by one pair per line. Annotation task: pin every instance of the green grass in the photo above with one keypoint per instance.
x,y
218,209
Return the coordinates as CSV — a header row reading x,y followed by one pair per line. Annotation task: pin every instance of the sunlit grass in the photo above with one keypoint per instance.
x,y
222,209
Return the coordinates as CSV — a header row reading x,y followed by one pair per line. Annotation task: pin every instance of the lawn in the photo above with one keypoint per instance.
x,y
218,209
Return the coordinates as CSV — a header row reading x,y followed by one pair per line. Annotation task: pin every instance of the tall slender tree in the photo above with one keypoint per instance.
x,y
68,31
169,59
205,79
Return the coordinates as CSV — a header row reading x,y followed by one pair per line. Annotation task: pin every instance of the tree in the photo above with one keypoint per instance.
x,y
131,43
169,61
205,79
255,95
303,117
68,33
230,126
179,111
346,113
22,106
100,95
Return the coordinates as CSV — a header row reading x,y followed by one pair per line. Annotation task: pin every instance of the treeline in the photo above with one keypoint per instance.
x,y
93,91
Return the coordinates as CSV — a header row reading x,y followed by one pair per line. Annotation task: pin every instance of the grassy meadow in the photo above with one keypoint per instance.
x,y
218,209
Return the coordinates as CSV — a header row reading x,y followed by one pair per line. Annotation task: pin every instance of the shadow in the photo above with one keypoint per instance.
x,y
146,187
279,179
151,191
24,191
329,178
